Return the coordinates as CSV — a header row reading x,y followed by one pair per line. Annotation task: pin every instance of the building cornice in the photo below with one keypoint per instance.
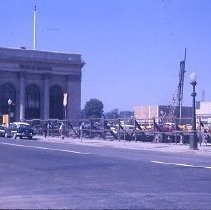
x,y
24,55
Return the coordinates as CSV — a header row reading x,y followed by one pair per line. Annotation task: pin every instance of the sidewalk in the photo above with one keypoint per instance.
x,y
162,147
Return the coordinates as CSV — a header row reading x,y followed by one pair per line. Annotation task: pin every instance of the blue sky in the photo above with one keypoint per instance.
x,y
132,48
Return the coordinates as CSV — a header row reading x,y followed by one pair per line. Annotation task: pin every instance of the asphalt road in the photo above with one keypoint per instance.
x,y
41,175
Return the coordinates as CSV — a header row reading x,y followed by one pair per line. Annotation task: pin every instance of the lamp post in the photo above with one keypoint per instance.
x,y
193,137
9,107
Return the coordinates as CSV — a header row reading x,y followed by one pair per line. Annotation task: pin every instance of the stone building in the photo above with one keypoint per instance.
x,y
35,82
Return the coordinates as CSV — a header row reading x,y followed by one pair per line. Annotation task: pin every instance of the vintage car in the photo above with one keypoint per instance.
x,y
19,129
2,131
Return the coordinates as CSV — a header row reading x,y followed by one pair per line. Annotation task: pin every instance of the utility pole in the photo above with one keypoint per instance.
x,y
178,96
35,29
181,86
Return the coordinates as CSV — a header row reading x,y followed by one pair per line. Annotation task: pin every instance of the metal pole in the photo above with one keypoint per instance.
x,y
180,113
65,113
118,129
9,113
81,131
9,108
124,133
194,107
134,123
193,137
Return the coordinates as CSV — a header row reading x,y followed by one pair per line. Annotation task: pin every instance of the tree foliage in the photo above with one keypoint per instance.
x,y
93,109
115,113
126,114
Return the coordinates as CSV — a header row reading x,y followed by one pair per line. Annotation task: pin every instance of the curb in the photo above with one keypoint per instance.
x,y
160,147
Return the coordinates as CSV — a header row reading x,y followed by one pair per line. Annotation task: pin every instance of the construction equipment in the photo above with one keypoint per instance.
x,y
178,95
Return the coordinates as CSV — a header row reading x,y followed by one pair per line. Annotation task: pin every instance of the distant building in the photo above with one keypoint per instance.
x,y
203,111
35,81
159,111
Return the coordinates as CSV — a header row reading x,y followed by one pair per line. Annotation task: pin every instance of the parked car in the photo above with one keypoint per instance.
x,y
19,129
2,131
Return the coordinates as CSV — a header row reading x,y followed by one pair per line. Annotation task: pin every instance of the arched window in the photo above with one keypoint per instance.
x,y
32,102
7,91
56,103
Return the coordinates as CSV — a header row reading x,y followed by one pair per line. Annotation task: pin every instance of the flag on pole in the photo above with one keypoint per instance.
x,y
35,30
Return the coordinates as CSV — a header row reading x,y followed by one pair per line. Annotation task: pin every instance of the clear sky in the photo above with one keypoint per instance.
x,y
132,48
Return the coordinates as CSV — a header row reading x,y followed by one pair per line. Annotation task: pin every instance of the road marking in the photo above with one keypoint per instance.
x,y
180,164
46,148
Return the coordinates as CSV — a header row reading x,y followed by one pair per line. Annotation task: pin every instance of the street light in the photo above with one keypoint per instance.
x,y
9,106
193,136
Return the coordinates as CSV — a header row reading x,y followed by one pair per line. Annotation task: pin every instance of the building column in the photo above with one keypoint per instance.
x,y
73,97
46,97
22,96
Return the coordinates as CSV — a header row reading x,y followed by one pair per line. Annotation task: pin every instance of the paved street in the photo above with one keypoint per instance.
x,y
45,174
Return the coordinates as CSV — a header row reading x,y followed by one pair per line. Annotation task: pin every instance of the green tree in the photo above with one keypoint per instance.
x,y
126,114
93,109
113,114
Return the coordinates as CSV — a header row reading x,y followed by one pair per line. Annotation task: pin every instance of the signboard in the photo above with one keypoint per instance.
x,y
6,119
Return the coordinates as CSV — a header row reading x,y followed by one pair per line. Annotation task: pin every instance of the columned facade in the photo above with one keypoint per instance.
x,y
46,97
35,81
72,81
22,96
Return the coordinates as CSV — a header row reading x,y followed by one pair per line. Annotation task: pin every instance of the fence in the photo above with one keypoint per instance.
x,y
151,130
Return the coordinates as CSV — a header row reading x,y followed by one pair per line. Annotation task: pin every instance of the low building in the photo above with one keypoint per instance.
x,y
203,111
160,111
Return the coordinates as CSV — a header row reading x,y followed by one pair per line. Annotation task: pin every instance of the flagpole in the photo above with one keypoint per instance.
x,y
35,32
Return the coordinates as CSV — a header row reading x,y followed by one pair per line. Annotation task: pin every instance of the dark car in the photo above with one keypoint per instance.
x,y
2,131
19,129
